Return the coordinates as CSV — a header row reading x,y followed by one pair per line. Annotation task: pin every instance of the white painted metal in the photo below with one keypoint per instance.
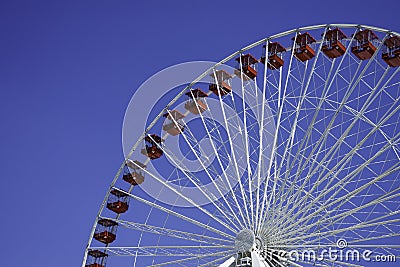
x,y
332,170
228,262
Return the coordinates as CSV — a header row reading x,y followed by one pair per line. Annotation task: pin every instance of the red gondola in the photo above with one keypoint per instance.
x,y
246,67
303,50
118,201
275,51
221,83
136,177
333,47
152,149
364,49
106,231
392,56
196,104
174,126
96,258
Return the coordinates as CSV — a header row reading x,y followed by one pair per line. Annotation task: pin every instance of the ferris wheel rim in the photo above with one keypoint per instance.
x,y
387,32
314,27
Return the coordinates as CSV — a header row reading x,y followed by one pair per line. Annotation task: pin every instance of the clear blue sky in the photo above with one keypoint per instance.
x,y
67,72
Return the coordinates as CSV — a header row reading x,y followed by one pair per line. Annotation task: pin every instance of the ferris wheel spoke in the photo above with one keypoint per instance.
x,y
246,148
342,183
331,152
307,135
227,202
280,102
380,131
261,133
367,227
378,221
233,154
289,142
305,140
247,200
342,163
346,198
336,146
381,236
195,181
342,201
324,136
286,218
311,126
211,178
212,255
161,251
359,236
178,215
218,156
144,227
253,186
219,260
297,106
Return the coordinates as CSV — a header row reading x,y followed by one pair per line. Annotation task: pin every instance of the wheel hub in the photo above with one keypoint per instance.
x,y
244,240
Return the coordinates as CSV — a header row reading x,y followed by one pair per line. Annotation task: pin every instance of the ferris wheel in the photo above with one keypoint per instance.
x,y
289,144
